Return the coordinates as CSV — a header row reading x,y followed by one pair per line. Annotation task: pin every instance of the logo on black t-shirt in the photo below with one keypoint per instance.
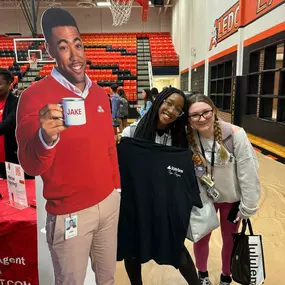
x,y
174,171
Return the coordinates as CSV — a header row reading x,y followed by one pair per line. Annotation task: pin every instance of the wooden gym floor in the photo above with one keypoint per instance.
x,y
268,148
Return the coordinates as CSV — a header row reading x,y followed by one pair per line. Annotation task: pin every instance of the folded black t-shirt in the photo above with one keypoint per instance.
x,y
159,189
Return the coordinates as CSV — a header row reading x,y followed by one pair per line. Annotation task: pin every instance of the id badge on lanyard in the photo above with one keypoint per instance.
x,y
208,178
70,226
200,170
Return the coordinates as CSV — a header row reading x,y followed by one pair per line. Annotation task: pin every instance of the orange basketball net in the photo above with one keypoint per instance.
x,y
121,11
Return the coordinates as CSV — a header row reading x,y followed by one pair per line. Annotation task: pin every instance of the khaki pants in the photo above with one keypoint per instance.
x,y
96,237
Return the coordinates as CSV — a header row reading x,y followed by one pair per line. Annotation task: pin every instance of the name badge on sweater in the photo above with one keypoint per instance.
x,y
200,170
71,226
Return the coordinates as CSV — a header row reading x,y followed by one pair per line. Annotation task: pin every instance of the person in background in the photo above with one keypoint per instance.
x,y
154,92
8,107
148,100
124,109
110,101
115,108
165,123
234,172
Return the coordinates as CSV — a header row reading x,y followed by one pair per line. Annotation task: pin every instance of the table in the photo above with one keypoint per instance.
x,y
18,240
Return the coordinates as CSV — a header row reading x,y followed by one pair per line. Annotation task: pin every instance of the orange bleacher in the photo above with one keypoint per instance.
x,y
109,55
162,50
130,86
99,56
46,70
6,62
7,43
127,41
101,75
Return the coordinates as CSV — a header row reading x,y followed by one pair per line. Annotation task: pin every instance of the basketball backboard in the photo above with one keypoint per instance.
x,y
27,48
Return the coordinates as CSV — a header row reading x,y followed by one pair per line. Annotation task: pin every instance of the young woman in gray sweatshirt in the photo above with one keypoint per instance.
x,y
233,170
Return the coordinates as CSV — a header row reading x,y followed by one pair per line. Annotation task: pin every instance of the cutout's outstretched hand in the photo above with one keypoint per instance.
x,y
51,121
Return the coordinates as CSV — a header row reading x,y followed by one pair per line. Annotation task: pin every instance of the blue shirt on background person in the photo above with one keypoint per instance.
x,y
115,105
143,110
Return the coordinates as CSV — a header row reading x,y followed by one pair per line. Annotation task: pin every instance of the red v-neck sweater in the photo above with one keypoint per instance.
x,y
82,169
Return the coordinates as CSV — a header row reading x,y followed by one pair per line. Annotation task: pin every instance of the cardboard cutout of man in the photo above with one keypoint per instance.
x,y
78,164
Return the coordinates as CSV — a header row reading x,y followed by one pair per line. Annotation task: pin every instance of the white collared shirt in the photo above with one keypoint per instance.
x,y
66,84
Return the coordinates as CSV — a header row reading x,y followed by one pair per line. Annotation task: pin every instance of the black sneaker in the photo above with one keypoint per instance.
x,y
225,280
204,278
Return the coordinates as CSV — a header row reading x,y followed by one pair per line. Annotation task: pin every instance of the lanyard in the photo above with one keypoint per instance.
x,y
166,135
212,156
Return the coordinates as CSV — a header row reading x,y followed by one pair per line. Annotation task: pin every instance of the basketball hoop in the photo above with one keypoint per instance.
x,y
121,11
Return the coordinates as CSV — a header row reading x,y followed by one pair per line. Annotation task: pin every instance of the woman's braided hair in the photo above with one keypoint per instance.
x,y
198,159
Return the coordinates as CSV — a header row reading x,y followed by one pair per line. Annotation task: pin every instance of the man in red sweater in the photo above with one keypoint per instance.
x,y
78,165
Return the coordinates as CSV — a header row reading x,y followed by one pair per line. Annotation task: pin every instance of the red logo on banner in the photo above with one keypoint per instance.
x,y
18,170
240,15
226,25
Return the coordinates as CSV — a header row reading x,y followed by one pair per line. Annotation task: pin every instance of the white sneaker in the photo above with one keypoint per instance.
x,y
204,280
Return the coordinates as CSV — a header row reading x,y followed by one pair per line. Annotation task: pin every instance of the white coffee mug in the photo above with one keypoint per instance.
x,y
73,111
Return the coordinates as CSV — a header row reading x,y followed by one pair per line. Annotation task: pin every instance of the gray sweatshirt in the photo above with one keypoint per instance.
x,y
236,179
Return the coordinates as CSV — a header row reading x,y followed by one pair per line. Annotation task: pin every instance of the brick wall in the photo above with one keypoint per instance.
x,y
184,80
225,116
197,79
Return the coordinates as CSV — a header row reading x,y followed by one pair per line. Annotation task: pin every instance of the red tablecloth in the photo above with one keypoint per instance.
x,y
18,240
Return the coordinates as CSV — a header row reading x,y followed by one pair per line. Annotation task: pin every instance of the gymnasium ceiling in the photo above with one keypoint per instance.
x,y
97,4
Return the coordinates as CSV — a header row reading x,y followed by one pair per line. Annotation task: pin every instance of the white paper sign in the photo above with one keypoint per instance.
x,y
16,185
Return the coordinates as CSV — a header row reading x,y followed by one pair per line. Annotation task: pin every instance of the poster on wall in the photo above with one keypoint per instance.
x,y
57,145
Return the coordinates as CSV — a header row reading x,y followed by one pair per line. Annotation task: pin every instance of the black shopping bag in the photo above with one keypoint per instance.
x,y
247,260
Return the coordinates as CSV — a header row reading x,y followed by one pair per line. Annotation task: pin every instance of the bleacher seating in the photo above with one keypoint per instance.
x,y
127,41
111,58
7,58
162,50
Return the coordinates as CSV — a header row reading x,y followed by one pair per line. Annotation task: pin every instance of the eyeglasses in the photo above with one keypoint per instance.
x,y
197,117
176,111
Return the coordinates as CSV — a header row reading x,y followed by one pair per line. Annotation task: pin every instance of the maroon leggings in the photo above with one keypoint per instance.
x,y
201,248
